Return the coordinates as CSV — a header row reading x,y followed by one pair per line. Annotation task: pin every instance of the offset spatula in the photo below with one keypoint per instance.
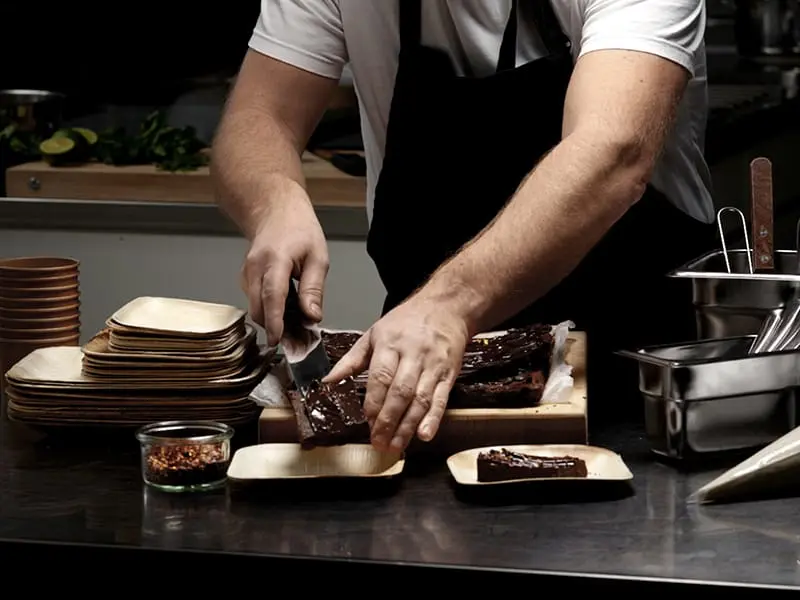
x,y
302,344
761,206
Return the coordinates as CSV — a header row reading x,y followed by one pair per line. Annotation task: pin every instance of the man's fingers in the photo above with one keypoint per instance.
x,y
419,407
354,362
430,424
312,283
399,396
274,289
252,287
382,368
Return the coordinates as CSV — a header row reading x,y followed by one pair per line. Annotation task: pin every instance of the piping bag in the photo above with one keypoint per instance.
x,y
773,469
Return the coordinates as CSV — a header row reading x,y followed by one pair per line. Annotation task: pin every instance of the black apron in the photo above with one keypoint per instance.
x,y
457,148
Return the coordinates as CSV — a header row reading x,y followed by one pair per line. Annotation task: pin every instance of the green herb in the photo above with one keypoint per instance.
x,y
169,148
23,145
156,143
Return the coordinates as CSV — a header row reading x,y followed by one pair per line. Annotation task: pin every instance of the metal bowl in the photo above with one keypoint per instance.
x,y
31,110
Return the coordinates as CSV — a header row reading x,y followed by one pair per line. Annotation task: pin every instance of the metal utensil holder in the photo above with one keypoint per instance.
x,y
729,297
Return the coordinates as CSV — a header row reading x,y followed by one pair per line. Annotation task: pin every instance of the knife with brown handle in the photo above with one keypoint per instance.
x,y
762,217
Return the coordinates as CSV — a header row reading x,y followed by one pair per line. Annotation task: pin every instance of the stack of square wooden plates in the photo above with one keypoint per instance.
x,y
158,359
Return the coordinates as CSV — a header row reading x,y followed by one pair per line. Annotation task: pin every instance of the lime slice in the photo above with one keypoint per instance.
x,y
80,135
56,146
89,135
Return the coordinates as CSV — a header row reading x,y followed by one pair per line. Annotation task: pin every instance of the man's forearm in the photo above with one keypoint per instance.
x,y
618,110
254,161
559,213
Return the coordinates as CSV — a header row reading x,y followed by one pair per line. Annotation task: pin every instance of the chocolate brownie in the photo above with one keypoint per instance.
x,y
506,465
507,370
338,343
330,415
508,353
515,391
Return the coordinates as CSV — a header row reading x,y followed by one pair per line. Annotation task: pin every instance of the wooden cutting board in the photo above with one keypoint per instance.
x,y
465,428
327,185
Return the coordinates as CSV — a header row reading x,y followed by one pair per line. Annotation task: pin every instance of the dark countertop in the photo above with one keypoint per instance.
x,y
57,500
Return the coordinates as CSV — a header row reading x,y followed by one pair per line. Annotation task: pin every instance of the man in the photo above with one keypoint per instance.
x,y
528,160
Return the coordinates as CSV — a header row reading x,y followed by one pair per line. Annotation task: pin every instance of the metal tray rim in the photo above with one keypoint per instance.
x,y
721,398
687,271
641,356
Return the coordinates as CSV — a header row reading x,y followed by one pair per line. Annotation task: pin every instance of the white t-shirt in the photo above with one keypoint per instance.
x,y
322,36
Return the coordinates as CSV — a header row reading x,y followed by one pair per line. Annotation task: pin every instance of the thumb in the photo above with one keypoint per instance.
x,y
354,362
312,282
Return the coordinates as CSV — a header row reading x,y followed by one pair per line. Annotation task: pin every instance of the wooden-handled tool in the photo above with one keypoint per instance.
x,y
762,217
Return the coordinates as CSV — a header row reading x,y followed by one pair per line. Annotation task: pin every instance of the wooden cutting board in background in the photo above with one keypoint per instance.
x,y
327,185
465,428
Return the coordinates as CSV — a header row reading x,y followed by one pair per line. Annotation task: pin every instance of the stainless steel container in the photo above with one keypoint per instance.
x,y
35,114
711,396
39,111
736,303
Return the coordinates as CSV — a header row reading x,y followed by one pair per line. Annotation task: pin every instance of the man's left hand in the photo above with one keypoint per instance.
x,y
413,356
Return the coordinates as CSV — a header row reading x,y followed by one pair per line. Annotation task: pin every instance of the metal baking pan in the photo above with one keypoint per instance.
x,y
736,303
711,396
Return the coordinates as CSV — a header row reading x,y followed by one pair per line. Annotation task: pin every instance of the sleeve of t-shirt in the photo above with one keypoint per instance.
x,y
671,29
306,34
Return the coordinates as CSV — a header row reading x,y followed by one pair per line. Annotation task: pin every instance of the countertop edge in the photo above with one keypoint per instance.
x,y
125,557
154,217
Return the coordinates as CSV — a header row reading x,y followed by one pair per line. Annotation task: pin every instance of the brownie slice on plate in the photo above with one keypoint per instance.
x,y
506,465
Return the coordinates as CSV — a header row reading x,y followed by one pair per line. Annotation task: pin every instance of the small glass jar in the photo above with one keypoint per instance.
x,y
185,456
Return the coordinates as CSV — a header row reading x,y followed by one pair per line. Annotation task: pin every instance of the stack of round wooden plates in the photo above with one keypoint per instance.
x,y
158,359
39,306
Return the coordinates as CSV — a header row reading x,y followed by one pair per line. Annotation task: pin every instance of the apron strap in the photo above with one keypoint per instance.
x,y
508,47
547,25
410,23
542,16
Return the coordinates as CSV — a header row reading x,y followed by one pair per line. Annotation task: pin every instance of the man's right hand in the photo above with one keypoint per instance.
x,y
288,243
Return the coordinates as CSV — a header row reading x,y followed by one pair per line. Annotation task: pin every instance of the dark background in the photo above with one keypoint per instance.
x,y
121,49
131,49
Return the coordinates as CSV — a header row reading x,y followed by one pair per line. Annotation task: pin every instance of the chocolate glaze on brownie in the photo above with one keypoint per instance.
x,y
508,370
506,465
330,415
338,343
507,350
511,351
